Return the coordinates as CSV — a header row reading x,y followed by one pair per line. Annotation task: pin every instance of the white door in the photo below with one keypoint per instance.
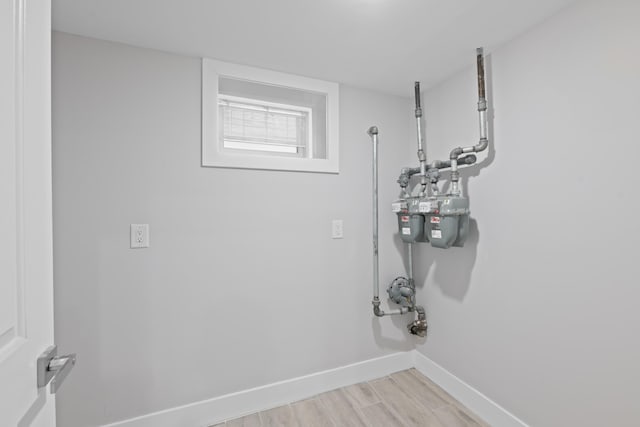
x,y
26,278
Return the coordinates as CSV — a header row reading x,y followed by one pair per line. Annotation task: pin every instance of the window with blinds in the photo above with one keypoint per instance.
x,y
266,127
261,119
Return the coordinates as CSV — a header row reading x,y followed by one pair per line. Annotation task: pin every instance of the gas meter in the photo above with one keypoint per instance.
x,y
447,223
410,220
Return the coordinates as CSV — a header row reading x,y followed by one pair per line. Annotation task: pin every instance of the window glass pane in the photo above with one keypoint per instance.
x,y
249,124
315,103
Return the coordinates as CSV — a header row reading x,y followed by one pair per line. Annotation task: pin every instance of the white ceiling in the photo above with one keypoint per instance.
x,y
379,44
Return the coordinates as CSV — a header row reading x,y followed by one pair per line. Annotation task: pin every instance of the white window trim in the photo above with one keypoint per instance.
x,y
213,153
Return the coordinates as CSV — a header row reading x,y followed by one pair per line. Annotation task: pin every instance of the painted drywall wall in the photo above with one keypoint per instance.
x,y
539,310
242,285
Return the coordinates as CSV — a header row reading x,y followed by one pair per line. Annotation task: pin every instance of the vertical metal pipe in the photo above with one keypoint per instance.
x,y
418,113
480,66
410,273
482,97
416,93
410,257
373,133
455,188
422,157
482,116
420,148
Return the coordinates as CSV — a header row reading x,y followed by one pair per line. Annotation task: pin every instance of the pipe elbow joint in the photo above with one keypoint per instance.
x,y
376,307
455,153
482,145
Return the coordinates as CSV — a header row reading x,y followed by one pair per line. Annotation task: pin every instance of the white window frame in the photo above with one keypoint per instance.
x,y
213,152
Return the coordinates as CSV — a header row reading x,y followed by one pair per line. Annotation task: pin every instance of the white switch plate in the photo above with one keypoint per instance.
x,y
336,229
139,236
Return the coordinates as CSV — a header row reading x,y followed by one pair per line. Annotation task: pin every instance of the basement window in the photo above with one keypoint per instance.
x,y
264,127
260,119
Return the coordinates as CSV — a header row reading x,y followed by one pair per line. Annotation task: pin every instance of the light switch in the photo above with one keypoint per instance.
x,y
139,236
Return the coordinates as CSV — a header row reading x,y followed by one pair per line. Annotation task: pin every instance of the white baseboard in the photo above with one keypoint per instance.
x,y
229,406
478,403
234,405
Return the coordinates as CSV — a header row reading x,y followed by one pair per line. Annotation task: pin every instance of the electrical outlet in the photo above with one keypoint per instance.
x,y
336,229
139,236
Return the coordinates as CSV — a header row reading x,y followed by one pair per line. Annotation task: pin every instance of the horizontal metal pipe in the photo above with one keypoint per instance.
x,y
381,313
443,164
409,171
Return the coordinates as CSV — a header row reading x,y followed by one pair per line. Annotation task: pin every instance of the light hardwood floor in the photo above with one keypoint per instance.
x,y
403,399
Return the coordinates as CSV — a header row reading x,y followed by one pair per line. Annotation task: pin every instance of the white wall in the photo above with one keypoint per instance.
x,y
539,310
242,285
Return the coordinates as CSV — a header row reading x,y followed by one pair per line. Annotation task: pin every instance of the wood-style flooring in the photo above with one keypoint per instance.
x,y
403,399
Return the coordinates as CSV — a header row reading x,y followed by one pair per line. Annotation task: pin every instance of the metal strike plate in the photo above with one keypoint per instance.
x,y
53,368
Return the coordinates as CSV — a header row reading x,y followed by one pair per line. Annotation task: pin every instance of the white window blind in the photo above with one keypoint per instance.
x,y
250,124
